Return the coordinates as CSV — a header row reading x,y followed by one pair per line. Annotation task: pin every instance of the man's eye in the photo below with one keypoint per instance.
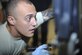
x,y
28,18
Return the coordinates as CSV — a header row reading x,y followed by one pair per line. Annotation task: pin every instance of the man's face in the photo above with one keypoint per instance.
x,y
25,21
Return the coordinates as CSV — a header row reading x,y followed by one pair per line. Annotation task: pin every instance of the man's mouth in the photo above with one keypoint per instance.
x,y
32,30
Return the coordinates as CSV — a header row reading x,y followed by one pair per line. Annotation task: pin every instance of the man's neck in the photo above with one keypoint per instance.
x,y
13,31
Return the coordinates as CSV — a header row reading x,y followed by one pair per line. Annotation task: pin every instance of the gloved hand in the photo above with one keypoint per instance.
x,y
41,50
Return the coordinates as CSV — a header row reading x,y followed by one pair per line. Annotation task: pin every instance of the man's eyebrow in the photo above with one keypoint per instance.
x,y
30,15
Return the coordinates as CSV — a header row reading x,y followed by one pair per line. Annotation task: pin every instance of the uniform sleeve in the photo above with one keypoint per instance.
x,y
0,53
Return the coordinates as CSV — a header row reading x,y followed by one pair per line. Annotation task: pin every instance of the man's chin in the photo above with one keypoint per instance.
x,y
30,35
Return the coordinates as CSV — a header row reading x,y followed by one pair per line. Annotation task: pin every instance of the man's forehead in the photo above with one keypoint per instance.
x,y
25,9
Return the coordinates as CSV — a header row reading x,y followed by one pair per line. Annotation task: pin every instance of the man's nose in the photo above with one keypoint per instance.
x,y
34,22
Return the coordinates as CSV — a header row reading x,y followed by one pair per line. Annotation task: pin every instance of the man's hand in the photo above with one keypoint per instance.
x,y
41,50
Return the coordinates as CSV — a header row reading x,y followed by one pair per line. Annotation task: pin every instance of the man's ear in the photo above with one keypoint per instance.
x,y
11,20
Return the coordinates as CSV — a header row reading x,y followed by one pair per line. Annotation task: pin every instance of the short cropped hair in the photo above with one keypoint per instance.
x,y
12,5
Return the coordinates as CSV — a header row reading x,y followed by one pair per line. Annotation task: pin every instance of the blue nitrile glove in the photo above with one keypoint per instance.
x,y
41,50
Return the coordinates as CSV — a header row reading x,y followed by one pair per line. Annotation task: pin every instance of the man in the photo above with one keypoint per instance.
x,y
21,22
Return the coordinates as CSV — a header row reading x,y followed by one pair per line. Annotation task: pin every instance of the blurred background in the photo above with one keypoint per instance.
x,y
47,32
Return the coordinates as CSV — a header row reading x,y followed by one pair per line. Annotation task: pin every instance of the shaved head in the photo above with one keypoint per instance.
x,y
12,5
